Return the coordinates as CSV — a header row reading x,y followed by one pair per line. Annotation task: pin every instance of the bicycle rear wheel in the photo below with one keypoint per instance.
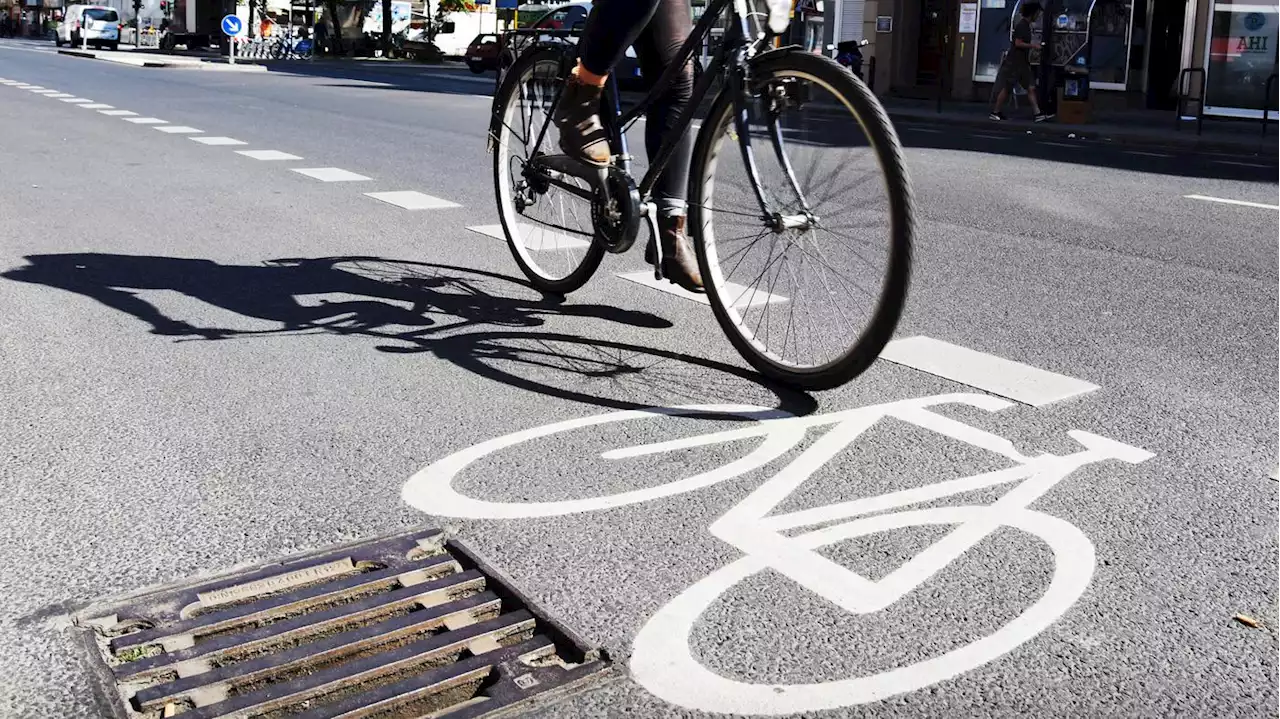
x,y
549,228
810,291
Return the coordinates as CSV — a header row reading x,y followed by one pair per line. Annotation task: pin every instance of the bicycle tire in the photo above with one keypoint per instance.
x,y
870,114
501,133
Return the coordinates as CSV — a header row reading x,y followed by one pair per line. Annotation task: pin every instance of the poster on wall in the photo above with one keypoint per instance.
x,y
968,17
1242,55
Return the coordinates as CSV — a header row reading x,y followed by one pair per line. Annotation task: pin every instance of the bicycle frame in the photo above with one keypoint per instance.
x,y
733,52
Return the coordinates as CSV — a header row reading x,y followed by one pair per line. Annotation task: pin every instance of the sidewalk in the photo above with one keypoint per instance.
x,y
149,57
1133,127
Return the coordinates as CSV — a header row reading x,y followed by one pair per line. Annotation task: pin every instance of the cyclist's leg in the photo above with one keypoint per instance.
x,y
611,28
657,47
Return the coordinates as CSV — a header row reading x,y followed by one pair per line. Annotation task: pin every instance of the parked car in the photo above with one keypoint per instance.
x,y
482,53
99,25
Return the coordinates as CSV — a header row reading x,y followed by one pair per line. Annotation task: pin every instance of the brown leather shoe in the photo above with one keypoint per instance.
x,y
577,116
679,263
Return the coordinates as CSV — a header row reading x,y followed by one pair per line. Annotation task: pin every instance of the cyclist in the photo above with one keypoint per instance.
x,y
657,29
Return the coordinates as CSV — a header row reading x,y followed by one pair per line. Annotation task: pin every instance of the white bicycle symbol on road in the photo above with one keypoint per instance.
x,y
662,660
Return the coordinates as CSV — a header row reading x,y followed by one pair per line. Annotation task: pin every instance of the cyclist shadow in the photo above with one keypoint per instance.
x,y
411,306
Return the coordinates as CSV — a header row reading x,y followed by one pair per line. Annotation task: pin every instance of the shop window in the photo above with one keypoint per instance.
x,y
1241,56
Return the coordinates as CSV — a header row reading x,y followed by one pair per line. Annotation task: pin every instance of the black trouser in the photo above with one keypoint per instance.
x,y
657,29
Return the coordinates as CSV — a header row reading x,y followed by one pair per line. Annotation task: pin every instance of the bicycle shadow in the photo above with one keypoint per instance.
x,y
411,307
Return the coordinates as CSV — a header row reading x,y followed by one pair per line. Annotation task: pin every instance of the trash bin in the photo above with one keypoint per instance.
x,y
1074,103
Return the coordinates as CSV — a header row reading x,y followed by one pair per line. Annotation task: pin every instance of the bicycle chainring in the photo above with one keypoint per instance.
x,y
616,212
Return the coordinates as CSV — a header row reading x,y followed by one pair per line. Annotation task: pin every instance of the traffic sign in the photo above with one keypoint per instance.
x,y
232,26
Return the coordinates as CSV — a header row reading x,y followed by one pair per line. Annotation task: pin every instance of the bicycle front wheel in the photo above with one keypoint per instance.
x,y
547,220
801,212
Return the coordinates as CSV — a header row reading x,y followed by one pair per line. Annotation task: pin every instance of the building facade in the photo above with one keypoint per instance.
x,y
1135,51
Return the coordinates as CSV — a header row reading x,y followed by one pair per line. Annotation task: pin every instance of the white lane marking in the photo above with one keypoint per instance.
x,y
118,113
267,155
743,296
98,106
1057,144
1242,164
146,121
663,659
60,95
33,88
1225,201
178,130
925,129
330,174
535,238
218,141
77,99
46,92
411,200
999,376
1146,154
990,137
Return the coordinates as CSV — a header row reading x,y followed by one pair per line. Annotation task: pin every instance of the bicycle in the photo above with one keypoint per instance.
x,y
763,90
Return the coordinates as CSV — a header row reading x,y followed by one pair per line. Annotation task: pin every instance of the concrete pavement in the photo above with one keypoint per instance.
x,y
185,395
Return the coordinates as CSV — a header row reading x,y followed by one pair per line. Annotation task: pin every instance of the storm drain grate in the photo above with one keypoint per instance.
x,y
399,628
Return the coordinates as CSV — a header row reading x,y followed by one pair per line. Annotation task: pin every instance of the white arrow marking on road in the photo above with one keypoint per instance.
x,y
1225,201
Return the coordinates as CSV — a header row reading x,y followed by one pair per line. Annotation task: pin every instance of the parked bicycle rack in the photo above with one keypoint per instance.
x,y
1266,101
1184,97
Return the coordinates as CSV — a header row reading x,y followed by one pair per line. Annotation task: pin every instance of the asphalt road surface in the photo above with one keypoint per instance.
x,y
179,398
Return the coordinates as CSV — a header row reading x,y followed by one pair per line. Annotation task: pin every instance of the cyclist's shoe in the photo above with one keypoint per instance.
x,y
582,135
679,263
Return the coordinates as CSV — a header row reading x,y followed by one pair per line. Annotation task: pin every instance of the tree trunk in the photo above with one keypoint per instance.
x,y
386,28
335,26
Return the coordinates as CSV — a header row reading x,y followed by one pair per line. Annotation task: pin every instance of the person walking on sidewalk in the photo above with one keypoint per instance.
x,y
1016,68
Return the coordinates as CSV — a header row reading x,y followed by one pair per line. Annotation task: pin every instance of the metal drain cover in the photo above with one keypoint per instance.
x,y
398,628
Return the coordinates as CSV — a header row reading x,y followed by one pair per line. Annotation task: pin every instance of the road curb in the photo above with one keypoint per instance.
x,y
172,64
1136,137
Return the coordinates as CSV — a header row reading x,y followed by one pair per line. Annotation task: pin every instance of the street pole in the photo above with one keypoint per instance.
x,y
137,25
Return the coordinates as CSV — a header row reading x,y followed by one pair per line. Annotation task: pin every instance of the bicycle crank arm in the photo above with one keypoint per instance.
x,y
565,165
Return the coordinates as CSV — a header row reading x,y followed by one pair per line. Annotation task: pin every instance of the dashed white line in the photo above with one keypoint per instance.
x,y
31,87
60,95
1241,164
1147,154
1223,200
739,295
118,113
411,200
45,92
146,121
1057,144
997,375
77,99
98,106
178,130
218,141
990,137
535,238
330,174
269,155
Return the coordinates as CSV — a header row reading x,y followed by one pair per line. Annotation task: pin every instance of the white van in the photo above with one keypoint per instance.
x,y
97,24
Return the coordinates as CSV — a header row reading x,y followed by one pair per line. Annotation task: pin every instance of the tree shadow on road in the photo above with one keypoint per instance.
x,y
475,319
